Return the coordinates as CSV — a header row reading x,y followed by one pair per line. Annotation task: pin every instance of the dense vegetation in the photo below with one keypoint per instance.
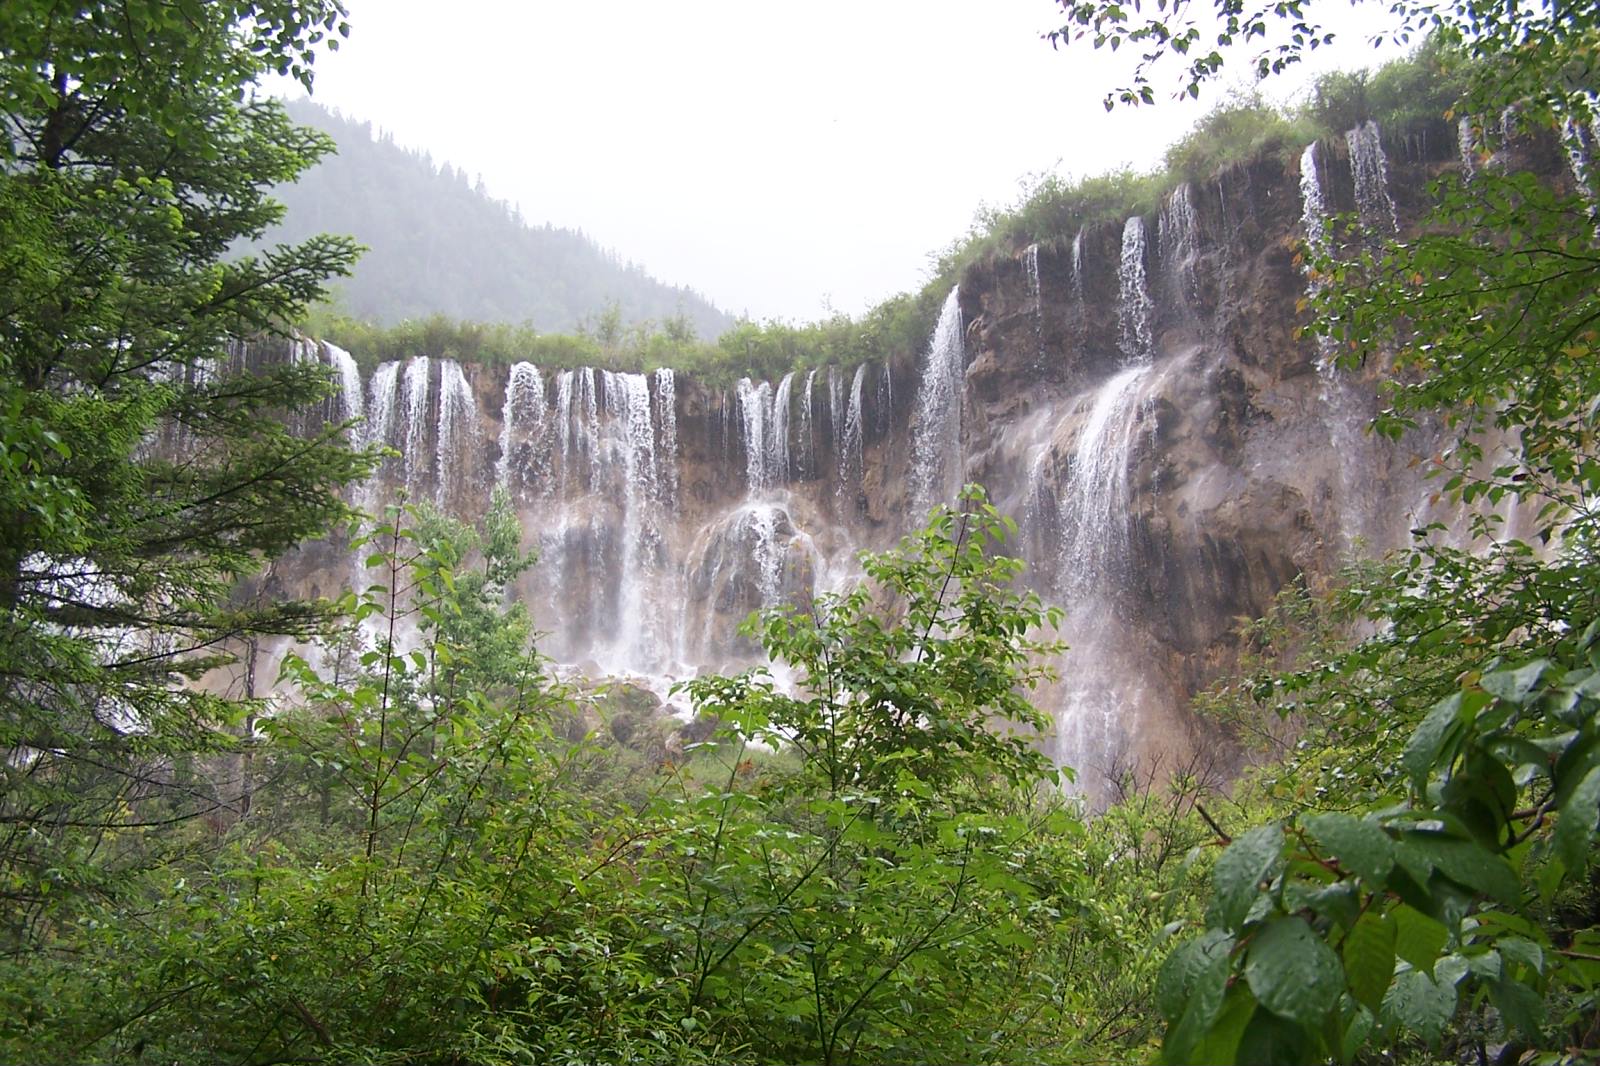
x,y
439,245
894,329
439,853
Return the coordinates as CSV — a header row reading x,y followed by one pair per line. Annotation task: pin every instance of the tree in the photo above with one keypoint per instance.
x,y
894,896
1437,879
146,466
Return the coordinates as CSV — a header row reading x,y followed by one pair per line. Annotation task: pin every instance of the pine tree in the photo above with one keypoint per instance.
x,y
146,466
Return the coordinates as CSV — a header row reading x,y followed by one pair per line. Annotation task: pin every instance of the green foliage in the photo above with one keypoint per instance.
x,y
1427,874
895,330
143,473
870,904
1240,130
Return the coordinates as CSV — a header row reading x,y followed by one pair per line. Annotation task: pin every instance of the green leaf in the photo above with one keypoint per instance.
x,y
1293,973
1251,861
1221,1043
1521,1008
1204,994
1575,825
1267,1038
1430,738
1420,1004
1185,966
1356,1033
1463,861
1361,847
1418,938
1369,955
1523,950
1514,685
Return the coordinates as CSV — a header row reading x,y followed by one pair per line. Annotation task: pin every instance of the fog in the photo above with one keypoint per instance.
x,y
785,160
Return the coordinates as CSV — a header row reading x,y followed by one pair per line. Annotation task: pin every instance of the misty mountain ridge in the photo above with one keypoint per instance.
x,y
438,245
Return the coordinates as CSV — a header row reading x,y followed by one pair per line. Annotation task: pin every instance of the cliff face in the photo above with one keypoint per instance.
x,y
1134,395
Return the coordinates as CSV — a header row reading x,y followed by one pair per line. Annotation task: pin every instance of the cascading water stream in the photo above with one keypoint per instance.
x,y
666,414
808,440
1094,502
352,404
1343,404
755,404
778,438
637,643
1030,264
415,401
458,436
936,424
1313,206
1095,565
1467,146
524,459
1135,309
1371,172
851,457
1178,235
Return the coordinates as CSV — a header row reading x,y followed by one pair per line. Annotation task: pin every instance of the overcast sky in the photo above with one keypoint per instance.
x,y
783,159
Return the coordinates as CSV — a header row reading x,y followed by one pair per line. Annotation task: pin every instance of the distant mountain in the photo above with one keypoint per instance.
x,y
437,245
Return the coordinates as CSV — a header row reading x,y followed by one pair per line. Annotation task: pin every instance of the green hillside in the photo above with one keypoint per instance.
x,y
440,246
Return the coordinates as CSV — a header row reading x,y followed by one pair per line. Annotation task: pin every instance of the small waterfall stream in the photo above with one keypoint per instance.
x,y
1371,172
936,424
1135,309
415,405
524,429
458,436
1178,236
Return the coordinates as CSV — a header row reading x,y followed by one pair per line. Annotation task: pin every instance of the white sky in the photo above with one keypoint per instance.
x,y
783,159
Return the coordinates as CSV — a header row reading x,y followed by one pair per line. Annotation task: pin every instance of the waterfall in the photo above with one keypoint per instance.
x,y
380,418
1107,685
588,384
351,403
1095,502
1467,145
1030,263
1313,207
936,423
564,424
578,427
1580,159
755,402
1371,172
415,401
808,442
667,423
758,523
638,622
778,439
1178,236
523,429
458,433
851,458
1077,269
1342,400
1134,306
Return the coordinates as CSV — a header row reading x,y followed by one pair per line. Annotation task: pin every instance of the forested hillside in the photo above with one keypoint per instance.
x,y
438,245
